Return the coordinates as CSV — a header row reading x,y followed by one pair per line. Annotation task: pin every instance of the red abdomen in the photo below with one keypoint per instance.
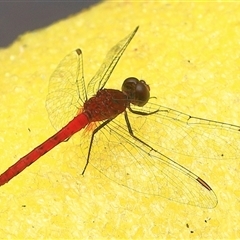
x,y
106,104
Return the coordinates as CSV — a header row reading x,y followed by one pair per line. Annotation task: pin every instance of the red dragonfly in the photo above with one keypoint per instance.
x,y
133,154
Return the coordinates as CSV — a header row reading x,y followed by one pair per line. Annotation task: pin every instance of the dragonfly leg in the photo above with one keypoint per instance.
x,y
131,131
91,142
144,113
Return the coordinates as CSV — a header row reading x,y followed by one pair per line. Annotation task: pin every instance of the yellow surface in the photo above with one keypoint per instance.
x,y
51,199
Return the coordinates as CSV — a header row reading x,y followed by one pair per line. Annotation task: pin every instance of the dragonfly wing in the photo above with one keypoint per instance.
x,y
67,90
111,60
186,135
134,165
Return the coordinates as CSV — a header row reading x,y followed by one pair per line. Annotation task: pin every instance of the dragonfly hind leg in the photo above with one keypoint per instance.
x,y
91,142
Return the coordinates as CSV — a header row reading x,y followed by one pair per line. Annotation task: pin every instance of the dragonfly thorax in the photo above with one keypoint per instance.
x,y
106,104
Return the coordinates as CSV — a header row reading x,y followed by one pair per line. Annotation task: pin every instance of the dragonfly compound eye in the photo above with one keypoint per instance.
x,y
138,91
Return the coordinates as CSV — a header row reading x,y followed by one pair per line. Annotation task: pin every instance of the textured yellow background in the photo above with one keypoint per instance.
x,y
36,204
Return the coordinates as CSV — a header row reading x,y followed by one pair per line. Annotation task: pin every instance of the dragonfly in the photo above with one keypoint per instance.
x,y
133,140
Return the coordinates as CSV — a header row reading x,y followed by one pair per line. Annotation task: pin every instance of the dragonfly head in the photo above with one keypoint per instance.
x,y
138,91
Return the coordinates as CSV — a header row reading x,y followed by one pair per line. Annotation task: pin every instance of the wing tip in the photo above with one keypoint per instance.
x,y
78,51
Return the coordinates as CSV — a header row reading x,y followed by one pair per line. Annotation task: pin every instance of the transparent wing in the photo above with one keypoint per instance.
x,y
134,165
171,135
105,70
67,90
175,140
179,133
